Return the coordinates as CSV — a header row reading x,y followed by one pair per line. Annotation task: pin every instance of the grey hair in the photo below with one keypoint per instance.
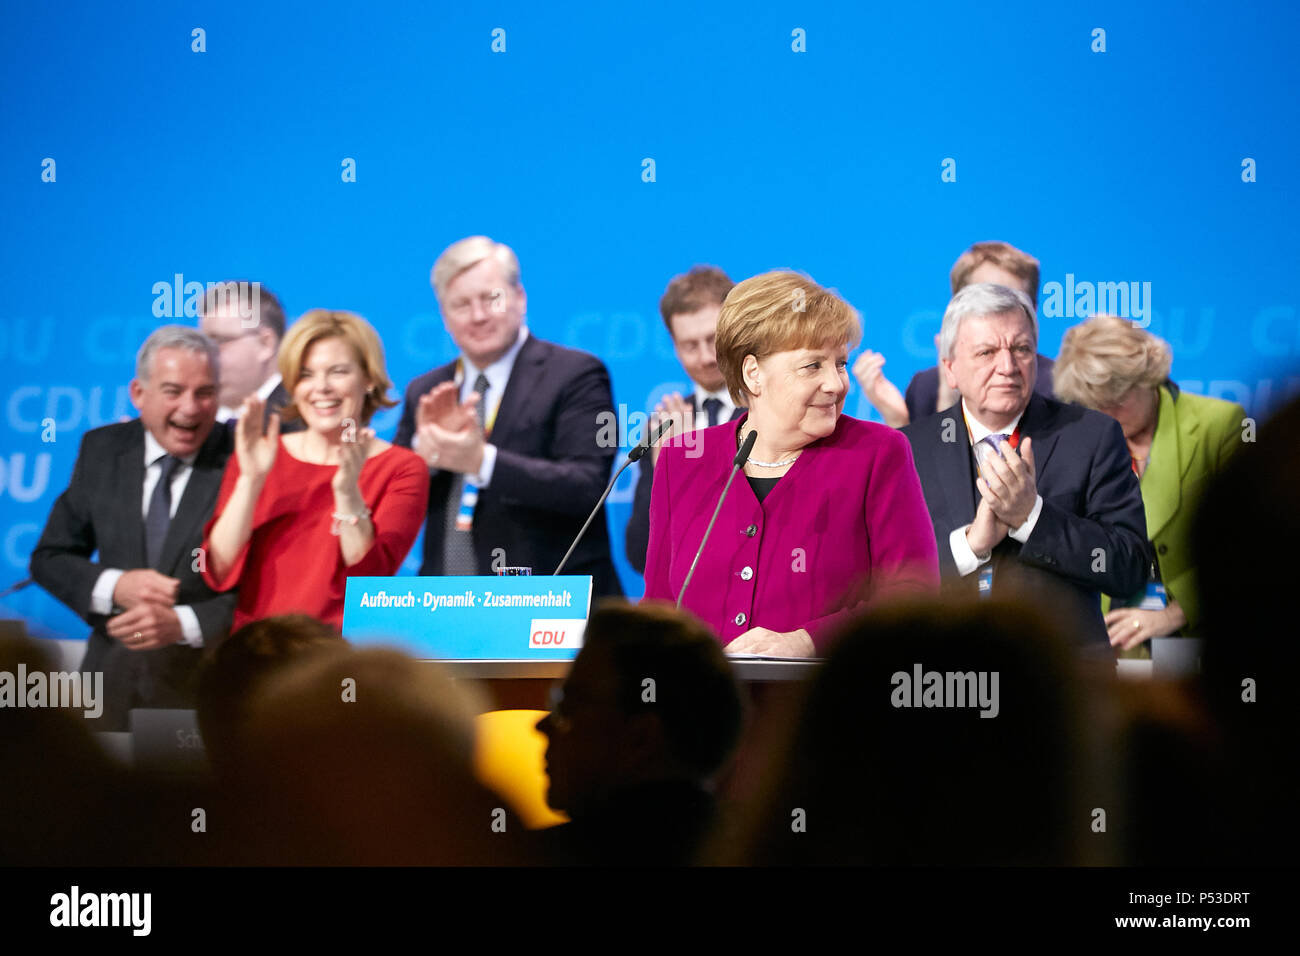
x,y
175,337
982,298
467,253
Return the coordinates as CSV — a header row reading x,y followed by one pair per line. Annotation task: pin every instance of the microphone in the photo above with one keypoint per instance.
x,y
738,462
635,454
14,589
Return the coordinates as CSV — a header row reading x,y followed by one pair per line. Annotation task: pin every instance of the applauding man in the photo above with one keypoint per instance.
x,y
510,431
139,495
690,307
1026,494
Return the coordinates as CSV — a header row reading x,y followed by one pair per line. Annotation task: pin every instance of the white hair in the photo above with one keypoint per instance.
x,y
982,298
467,253
175,337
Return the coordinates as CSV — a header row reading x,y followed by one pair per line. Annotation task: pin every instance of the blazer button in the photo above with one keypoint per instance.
x,y
746,573
751,531
1163,549
740,619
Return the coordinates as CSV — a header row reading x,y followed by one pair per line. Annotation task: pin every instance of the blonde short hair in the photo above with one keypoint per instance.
x,y
319,324
467,253
1103,358
775,312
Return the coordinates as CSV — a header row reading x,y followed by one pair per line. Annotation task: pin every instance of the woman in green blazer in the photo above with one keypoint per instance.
x,y
1177,441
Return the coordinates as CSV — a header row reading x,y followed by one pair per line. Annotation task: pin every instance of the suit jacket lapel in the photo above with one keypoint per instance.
x,y
129,490
196,502
519,387
1160,490
1037,424
952,463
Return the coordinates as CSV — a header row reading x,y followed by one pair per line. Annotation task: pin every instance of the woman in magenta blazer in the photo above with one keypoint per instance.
x,y
829,514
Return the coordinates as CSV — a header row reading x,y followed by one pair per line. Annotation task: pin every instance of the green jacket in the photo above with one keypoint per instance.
x,y
1194,438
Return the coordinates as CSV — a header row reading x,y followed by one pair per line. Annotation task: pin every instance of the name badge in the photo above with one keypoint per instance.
x,y
1155,598
468,499
986,580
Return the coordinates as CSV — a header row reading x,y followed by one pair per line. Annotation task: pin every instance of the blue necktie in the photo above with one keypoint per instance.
x,y
159,516
712,406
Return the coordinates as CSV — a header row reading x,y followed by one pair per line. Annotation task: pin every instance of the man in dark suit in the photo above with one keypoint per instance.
x,y
927,392
246,322
140,494
510,432
1026,494
690,307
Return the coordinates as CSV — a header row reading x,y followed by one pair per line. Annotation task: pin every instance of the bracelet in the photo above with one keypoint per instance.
x,y
354,520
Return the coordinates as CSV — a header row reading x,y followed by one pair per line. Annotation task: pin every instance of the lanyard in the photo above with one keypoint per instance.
x,y
491,417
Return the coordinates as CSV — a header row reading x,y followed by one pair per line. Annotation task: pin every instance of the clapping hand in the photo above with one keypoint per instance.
x,y
450,435
880,391
256,445
352,457
1009,484
682,414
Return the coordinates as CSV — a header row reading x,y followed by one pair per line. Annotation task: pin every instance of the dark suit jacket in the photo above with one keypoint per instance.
x,y
923,390
1091,533
100,511
637,536
550,469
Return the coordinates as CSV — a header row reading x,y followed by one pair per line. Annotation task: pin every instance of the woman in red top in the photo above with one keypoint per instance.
x,y
299,513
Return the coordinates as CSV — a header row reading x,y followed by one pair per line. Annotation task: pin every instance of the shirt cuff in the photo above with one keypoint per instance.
x,y
1022,533
191,633
101,597
484,476
967,561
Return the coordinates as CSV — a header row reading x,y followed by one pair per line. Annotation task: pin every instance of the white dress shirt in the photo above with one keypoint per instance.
x,y
968,561
724,413
225,414
101,596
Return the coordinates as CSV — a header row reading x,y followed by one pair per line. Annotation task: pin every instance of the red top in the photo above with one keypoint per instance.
x,y
291,561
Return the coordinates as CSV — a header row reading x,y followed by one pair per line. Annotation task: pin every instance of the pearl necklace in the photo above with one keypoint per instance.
x,y
769,464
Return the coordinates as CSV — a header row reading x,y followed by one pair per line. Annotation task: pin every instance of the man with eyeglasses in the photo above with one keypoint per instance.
x,y
246,322
511,431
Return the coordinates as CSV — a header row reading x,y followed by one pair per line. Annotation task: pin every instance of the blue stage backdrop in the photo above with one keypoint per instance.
x,y
331,150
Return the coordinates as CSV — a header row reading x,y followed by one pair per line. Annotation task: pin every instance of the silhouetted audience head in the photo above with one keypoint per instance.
x,y
650,697
235,669
932,735
60,796
1243,542
363,757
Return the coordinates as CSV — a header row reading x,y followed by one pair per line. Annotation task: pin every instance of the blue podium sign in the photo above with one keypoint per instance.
x,y
475,618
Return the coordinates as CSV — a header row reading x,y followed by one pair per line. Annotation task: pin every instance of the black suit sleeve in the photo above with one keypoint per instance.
x,y
637,537
917,397
406,427
61,561
1100,544
572,479
215,615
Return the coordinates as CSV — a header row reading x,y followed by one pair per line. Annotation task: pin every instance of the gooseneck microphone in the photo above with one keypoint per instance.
x,y
738,463
635,454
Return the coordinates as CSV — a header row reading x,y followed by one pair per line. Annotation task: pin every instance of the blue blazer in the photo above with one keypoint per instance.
x,y
1091,535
